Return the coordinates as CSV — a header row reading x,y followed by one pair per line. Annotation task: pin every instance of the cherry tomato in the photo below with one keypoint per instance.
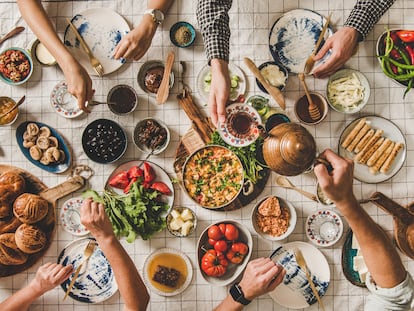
x,y
213,263
231,233
237,252
215,233
220,246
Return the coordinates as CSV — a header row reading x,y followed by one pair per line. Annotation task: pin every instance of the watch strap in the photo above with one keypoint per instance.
x,y
238,295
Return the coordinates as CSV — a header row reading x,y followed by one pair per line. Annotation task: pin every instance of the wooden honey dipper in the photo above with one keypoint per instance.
x,y
314,112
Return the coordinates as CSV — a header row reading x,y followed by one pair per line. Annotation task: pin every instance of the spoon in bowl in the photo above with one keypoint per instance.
x,y
21,100
314,112
286,183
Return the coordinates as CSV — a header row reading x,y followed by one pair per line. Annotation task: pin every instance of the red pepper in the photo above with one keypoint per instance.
x,y
406,35
149,174
135,172
127,188
120,180
161,187
410,52
395,55
394,69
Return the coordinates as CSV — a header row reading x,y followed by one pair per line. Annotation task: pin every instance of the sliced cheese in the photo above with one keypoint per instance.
x,y
186,215
186,227
355,244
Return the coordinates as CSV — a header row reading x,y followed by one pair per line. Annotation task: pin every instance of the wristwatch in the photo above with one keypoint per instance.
x,y
157,15
238,295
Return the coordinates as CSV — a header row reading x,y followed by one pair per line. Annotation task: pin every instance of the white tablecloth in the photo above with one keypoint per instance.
x,y
250,23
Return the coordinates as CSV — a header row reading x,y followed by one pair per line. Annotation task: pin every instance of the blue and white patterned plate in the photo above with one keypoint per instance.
x,y
293,37
295,292
102,29
64,103
70,217
96,280
225,131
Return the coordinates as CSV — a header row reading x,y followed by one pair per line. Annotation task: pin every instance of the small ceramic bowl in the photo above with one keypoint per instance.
x,y
6,103
322,198
64,103
269,68
149,133
182,34
21,60
181,221
150,76
122,99
292,220
274,120
40,53
336,102
70,218
302,110
324,228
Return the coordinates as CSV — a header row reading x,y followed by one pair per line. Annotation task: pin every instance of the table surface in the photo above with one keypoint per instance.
x,y
250,23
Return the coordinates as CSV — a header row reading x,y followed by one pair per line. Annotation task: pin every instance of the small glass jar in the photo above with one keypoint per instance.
x,y
260,103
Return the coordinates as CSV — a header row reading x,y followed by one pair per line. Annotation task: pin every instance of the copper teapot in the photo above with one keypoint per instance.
x,y
289,149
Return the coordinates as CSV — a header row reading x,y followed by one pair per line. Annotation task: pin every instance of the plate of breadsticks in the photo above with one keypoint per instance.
x,y
376,145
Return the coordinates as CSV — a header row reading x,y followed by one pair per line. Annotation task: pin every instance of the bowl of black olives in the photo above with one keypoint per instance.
x,y
104,141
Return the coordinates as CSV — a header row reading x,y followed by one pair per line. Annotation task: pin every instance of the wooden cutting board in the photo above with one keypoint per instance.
x,y
52,195
403,222
198,136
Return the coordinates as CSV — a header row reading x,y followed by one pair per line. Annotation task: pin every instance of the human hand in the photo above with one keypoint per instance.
x,y
94,218
219,90
262,275
136,43
49,276
342,44
79,84
336,184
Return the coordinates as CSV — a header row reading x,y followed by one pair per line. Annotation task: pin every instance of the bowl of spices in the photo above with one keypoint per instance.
x,y
122,99
150,76
151,134
182,34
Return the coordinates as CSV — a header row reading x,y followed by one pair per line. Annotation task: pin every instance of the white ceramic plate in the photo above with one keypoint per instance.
x,y
233,270
361,171
64,103
293,37
160,252
324,228
70,217
295,292
102,29
160,174
225,131
96,280
203,88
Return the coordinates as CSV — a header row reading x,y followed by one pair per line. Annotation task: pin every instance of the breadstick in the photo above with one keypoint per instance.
x,y
369,144
375,156
375,168
364,140
357,138
350,137
371,151
387,164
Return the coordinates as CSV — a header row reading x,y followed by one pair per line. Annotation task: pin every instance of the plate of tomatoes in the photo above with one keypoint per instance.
x,y
224,249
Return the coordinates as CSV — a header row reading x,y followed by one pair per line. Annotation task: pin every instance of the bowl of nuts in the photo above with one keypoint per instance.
x,y
16,66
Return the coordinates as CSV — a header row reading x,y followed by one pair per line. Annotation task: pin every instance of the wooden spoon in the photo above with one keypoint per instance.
x,y
12,33
403,222
272,90
14,107
314,112
285,183
164,88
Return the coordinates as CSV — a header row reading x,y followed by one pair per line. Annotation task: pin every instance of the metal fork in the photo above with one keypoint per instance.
x,y
87,253
97,66
302,264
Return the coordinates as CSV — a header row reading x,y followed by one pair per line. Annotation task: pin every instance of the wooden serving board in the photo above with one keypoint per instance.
x,y
403,222
198,136
36,186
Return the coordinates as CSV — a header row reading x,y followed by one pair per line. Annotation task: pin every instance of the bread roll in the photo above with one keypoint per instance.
x,y
10,254
6,201
371,151
369,144
364,140
375,156
9,224
375,168
13,180
358,137
387,164
30,208
350,137
30,239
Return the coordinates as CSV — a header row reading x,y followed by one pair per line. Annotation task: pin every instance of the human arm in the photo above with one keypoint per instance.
x,y
344,42
47,277
381,257
261,276
78,81
213,20
130,285
136,43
